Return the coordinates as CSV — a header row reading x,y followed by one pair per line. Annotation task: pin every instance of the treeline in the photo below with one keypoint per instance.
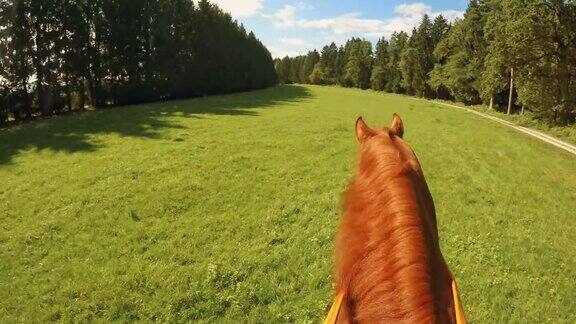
x,y
62,55
511,55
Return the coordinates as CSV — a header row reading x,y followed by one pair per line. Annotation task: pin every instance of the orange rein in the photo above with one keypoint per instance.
x,y
337,305
459,312
335,309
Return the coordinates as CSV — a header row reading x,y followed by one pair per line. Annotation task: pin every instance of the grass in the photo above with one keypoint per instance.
x,y
224,208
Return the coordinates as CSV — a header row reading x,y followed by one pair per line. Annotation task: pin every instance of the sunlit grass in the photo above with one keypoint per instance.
x,y
224,208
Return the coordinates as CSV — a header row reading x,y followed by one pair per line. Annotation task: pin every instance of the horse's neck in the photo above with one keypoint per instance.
x,y
397,269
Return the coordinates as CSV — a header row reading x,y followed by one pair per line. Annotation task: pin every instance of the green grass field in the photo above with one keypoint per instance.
x,y
224,208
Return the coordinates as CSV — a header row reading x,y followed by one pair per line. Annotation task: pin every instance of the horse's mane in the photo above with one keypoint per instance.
x,y
388,259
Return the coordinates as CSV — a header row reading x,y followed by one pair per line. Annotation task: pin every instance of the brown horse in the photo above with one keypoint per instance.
x,y
389,268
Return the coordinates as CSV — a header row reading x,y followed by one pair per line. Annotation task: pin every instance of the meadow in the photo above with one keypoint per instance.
x,y
224,209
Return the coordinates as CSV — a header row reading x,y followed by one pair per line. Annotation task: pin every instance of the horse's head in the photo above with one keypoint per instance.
x,y
386,143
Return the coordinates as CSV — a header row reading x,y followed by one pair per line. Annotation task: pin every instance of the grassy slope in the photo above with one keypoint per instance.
x,y
224,208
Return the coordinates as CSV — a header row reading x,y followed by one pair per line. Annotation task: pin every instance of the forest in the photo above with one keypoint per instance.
x,y
515,56
58,56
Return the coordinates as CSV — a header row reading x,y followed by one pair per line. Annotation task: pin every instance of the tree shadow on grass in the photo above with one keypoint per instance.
x,y
71,133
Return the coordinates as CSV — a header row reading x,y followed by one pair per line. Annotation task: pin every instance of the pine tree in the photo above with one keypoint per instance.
x,y
19,65
440,29
378,79
417,59
328,59
396,46
358,69
407,64
310,61
340,64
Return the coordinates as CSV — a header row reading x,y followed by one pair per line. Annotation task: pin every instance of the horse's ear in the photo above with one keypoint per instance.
x,y
363,132
397,127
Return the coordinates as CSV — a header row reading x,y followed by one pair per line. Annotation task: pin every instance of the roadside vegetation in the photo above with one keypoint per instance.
x,y
529,120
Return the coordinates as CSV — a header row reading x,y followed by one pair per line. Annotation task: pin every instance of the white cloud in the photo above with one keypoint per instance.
x,y
281,52
240,8
345,24
304,6
452,15
414,9
285,17
408,16
294,42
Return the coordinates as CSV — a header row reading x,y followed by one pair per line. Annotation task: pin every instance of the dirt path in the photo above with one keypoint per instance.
x,y
539,135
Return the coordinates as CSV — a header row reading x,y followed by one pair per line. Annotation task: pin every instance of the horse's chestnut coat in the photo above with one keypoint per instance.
x,y
388,261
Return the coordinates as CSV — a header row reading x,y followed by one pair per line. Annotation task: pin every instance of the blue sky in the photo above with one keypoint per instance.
x,y
292,27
